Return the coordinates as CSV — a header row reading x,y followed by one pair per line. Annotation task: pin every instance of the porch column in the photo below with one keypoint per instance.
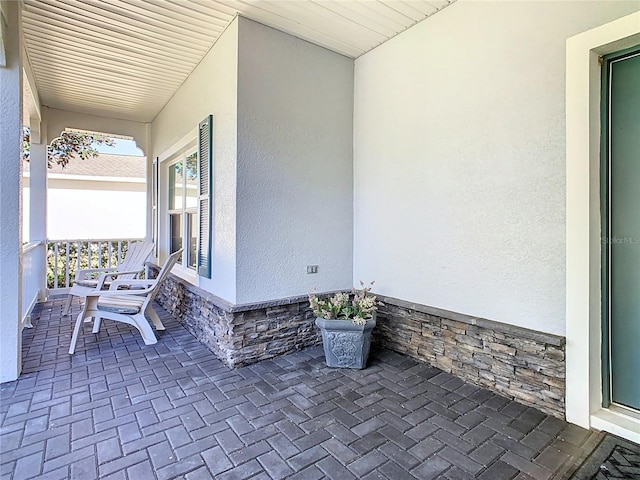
x,y
10,193
38,202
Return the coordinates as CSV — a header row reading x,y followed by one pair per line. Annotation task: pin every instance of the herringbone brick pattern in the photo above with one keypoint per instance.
x,y
622,463
118,409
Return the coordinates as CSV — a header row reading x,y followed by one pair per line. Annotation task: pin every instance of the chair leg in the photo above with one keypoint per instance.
x,y
76,331
155,318
67,305
143,326
97,321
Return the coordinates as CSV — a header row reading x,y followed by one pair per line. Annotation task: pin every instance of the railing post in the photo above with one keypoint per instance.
x,y
38,201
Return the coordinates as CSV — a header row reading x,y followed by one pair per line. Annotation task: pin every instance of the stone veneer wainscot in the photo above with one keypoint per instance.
x,y
239,334
523,364
513,361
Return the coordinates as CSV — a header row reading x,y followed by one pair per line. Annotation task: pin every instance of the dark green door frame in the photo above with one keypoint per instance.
x,y
608,238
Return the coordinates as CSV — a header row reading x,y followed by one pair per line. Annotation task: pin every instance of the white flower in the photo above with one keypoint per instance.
x,y
357,306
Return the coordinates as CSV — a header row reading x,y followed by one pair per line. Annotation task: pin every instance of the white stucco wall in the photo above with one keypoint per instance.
x,y
459,158
295,173
26,210
210,89
90,208
10,195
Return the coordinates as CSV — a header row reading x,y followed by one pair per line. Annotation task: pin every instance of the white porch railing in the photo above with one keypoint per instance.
x,y
66,257
32,259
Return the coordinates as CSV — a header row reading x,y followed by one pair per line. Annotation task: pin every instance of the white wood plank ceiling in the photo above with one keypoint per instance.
x,y
126,58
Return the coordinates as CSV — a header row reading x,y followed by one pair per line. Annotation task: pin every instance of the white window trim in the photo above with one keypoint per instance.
x,y
583,301
184,211
186,144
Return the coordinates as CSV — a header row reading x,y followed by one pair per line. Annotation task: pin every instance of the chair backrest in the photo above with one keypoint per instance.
x,y
164,271
133,261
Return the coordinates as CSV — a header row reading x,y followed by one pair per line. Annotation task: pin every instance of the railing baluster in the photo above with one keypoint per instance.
x,y
110,254
55,265
78,253
66,265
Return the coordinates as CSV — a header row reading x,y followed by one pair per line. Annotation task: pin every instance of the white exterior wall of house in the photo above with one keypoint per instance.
x,y
295,173
210,89
93,207
459,158
282,117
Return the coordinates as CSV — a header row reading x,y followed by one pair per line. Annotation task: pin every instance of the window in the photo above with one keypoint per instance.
x,y
184,201
183,208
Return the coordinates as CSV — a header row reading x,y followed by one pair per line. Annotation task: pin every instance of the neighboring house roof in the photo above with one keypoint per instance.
x,y
104,165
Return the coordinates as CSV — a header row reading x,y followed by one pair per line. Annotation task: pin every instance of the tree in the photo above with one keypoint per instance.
x,y
67,146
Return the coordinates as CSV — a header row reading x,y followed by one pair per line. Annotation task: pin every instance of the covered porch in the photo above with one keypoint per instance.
x,y
369,140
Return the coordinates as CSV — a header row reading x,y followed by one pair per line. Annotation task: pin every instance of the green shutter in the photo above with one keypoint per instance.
x,y
205,195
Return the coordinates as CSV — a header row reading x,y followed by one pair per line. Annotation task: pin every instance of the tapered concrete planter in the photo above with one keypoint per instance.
x,y
346,345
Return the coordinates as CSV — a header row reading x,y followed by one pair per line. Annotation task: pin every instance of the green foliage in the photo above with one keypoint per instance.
x,y
67,146
191,165
357,306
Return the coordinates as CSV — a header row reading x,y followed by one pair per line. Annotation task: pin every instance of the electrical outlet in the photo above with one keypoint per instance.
x,y
312,268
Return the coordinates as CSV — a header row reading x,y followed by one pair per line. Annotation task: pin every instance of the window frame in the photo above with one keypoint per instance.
x,y
184,211
200,141
170,155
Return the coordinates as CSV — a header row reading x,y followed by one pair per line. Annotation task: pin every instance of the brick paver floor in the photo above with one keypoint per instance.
x,y
118,409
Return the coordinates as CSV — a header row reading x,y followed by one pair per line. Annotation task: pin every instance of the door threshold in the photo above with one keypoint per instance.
x,y
622,422
624,410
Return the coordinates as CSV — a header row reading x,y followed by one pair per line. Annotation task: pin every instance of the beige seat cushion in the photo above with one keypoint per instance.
x,y
125,304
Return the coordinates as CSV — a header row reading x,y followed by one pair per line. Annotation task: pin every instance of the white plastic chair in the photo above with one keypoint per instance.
x,y
127,306
90,279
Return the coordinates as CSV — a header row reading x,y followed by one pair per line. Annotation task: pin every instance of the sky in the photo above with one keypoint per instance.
x,y
122,147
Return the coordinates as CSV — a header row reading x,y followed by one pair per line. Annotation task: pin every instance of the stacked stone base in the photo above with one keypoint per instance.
x,y
239,334
516,362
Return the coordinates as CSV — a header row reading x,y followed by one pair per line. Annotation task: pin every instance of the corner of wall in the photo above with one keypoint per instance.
x,y
295,165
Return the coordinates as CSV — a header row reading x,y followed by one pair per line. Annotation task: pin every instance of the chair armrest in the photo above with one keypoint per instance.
x,y
128,272
112,275
82,274
146,284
